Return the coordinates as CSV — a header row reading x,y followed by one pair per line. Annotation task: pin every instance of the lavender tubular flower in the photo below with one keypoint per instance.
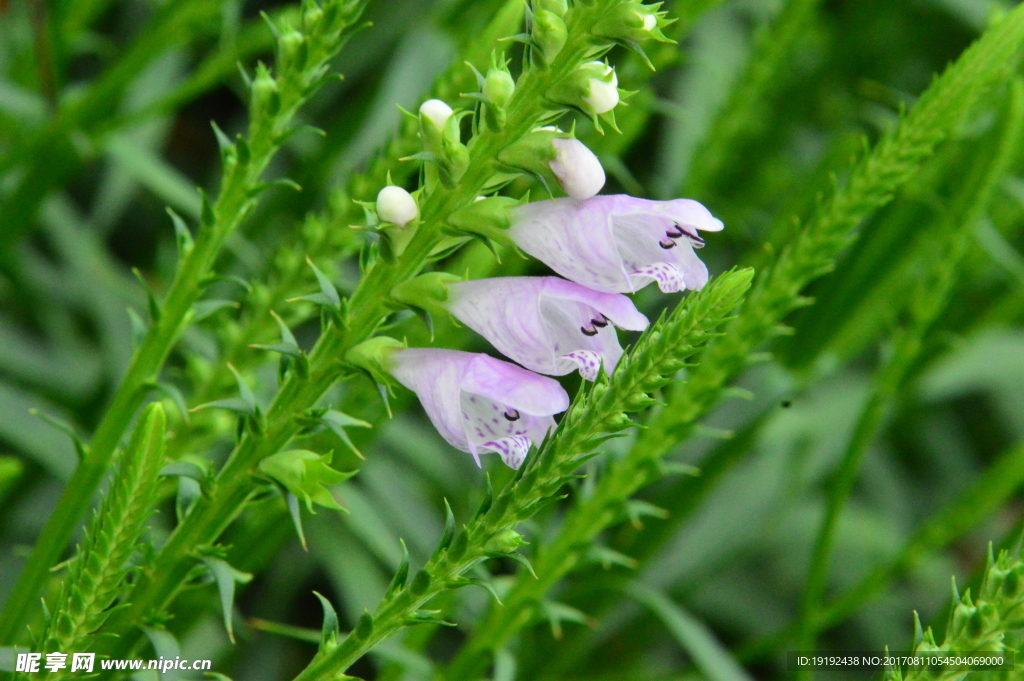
x,y
480,404
617,244
547,324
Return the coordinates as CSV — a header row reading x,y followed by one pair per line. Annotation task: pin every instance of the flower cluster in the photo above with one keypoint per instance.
x,y
602,246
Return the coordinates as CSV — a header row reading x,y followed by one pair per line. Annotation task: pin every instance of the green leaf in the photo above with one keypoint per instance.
x,y
327,289
186,469
338,421
172,393
139,327
63,426
154,305
607,557
402,573
226,577
295,511
329,629
709,655
182,235
207,308
556,613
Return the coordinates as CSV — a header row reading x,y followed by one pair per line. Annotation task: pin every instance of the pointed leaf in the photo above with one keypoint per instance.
x,y
139,328
326,287
402,574
243,389
296,514
226,577
709,655
207,308
182,235
338,421
63,426
154,306
329,629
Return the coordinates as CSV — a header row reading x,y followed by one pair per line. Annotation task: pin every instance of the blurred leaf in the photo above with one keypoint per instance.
x,y
706,651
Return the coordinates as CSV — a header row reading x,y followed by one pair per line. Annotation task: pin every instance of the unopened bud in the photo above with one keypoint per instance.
x,y
311,16
632,21
577,168
505,541
266,99
603,94
437,111
593,88
559,7
550,34
293,50
499,87
395,205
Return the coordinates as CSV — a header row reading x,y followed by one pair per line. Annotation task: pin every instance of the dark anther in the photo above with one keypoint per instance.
x,y
667,244
512,415
600,322
588,330
675,232
695,241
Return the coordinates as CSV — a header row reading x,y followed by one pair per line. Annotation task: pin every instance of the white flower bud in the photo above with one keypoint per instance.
x,y
650,21
603,95
437,111
395,205
577,169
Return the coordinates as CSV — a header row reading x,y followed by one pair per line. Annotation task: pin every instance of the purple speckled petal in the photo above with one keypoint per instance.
x,y
513,450
617,243
644,241
476,401
589,363
538,321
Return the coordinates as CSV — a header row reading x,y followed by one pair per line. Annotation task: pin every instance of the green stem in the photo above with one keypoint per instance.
x,y
241,178
930,299
624,477
50,157
594,412
326,239
366,310
872,181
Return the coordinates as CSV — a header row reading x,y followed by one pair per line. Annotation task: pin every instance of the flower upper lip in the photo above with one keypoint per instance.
x,y
617,243
540,321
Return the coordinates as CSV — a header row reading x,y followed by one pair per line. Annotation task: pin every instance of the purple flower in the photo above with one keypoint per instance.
x,y
478,403
617,243
547,324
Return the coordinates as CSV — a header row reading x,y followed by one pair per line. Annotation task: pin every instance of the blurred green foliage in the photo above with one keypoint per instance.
x,y
760,111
